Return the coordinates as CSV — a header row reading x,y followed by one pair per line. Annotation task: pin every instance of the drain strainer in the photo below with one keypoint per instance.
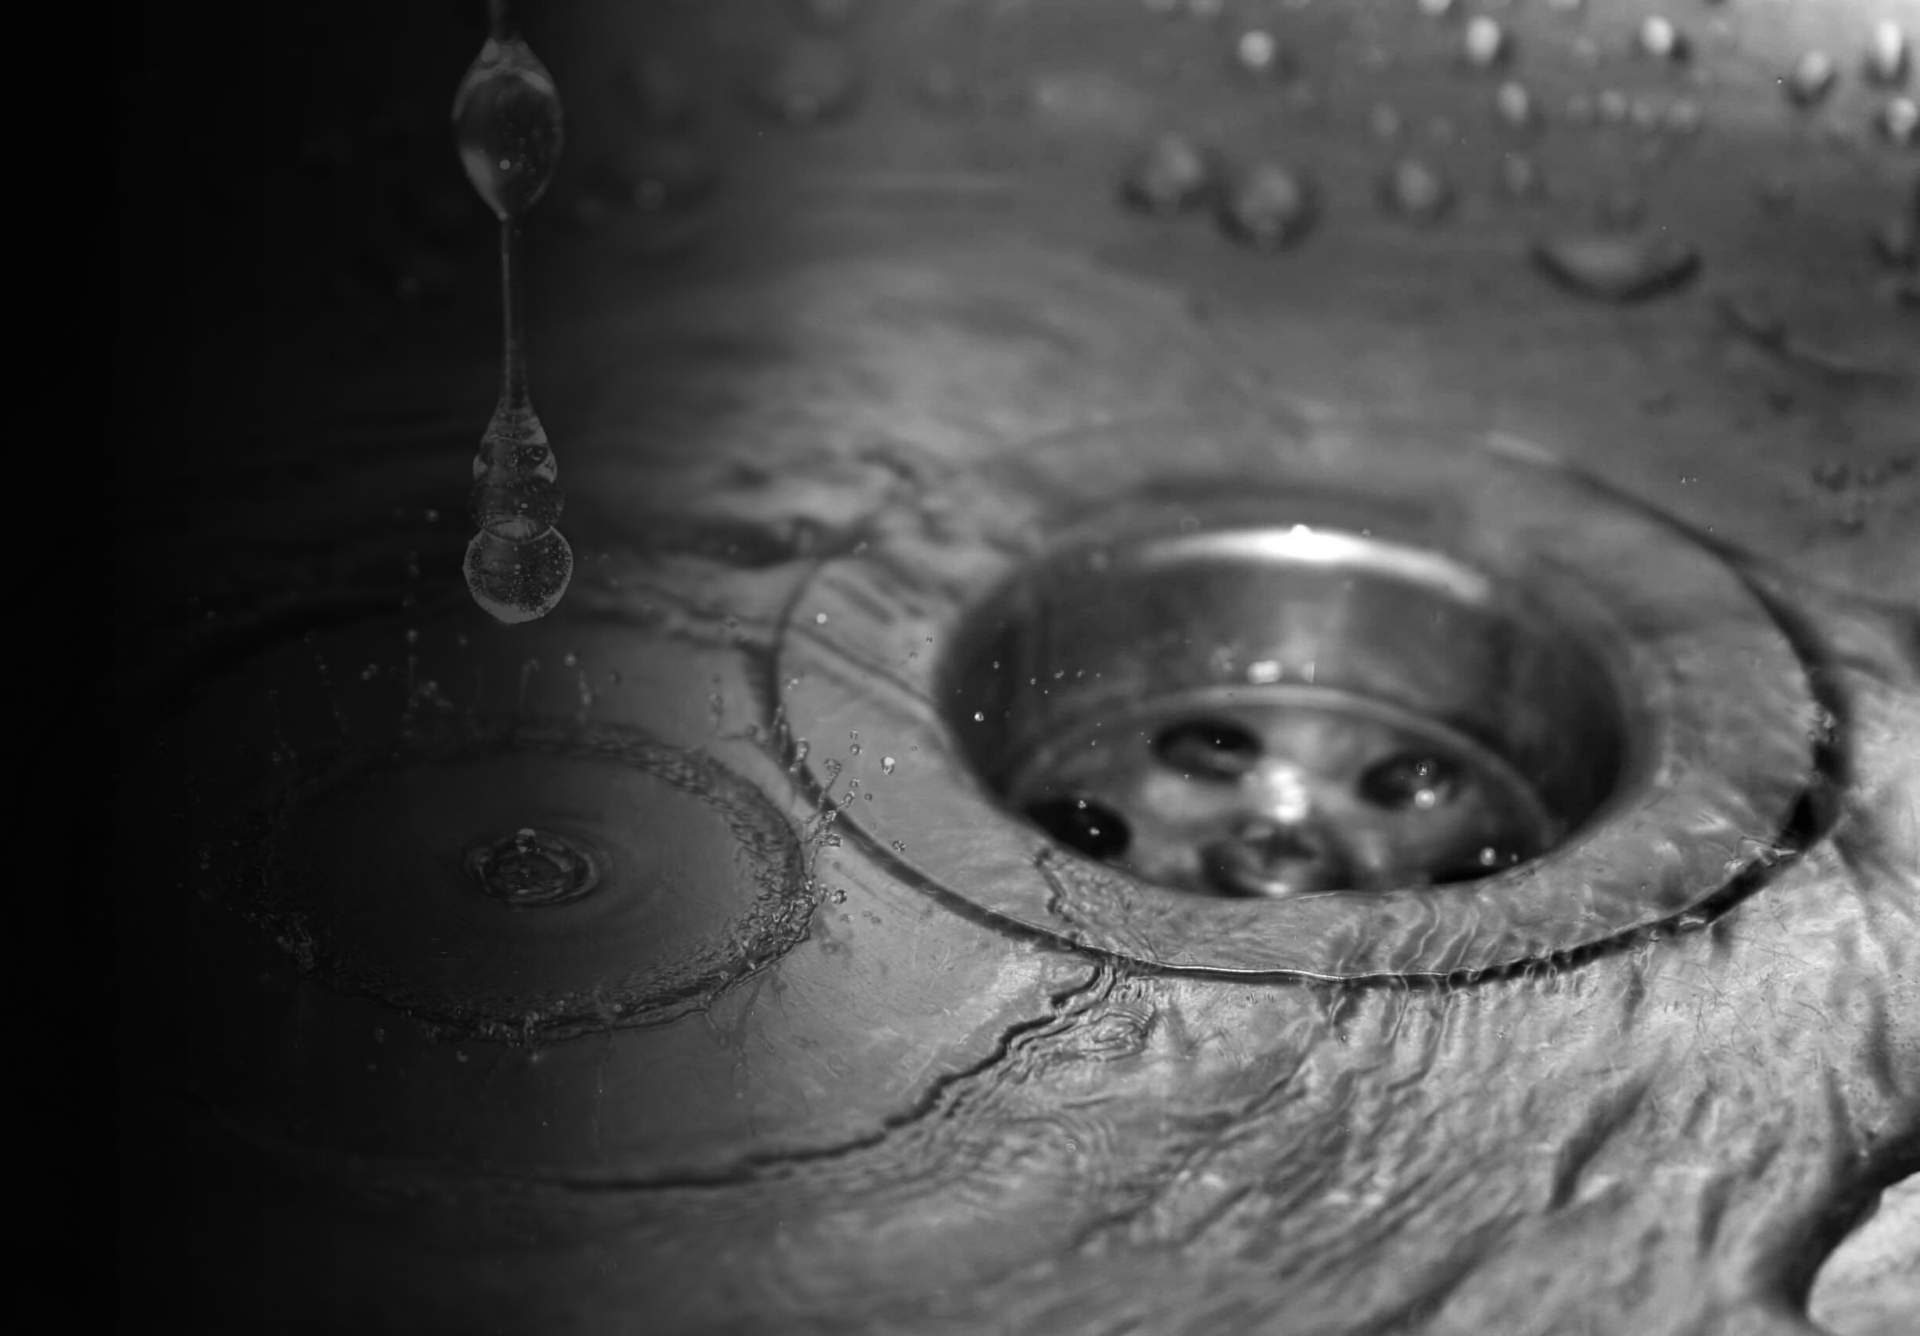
x,y
1213,698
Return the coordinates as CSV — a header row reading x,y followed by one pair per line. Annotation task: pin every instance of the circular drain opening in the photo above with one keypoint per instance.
x,y
1278,711
1238,696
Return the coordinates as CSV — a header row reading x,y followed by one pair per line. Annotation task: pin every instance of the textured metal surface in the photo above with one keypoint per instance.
x,y
909,1115
1717,697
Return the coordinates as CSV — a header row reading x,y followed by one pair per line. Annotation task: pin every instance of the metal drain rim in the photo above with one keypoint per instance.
x,y
1729,710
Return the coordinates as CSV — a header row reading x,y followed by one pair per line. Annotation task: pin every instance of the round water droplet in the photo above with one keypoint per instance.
x,y
1810,80
1657,38
518,581
1889,55
508,126
807,84
1415,191
1259,52
1617,268
1269,207
1170,175
1485,44
534,868
1513,106
1898,121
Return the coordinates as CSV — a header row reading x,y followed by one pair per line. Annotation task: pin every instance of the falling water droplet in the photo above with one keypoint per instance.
x,y
1170,175
508,125
1810,80
518,580
1269,207
1412,190
1889,55
1617,268
1658,39
534,868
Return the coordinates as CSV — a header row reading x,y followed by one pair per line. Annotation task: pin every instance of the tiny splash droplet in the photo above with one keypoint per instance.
x,y
508,126
534,868
518,580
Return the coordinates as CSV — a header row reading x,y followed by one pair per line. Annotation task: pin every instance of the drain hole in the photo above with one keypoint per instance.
x,y
1412,782
1208,749
1090,827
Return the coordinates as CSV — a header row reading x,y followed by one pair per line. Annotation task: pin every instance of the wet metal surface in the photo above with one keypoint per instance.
x,y
764,1075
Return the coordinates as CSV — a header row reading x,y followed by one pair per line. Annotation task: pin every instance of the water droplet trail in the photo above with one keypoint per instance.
x,y
508,128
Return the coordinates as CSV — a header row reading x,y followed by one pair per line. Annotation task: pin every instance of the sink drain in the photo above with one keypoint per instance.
x,y
1333,706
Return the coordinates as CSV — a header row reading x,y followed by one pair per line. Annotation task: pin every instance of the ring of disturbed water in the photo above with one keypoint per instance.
x,y
1725,725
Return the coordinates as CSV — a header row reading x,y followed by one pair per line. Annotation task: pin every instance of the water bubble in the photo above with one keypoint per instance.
x,y
1889,54
1413,190
1485,44
1810,80
534,868
518,580
1897,121
508,125
1269,207
807,84
1615,267
1658,39
887,764
1170,175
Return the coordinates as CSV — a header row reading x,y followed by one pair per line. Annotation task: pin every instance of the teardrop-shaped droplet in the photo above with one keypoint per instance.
x,y
508,126
518,581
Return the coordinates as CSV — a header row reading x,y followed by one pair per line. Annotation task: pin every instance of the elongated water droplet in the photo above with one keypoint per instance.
x,y
508,126
1889,55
